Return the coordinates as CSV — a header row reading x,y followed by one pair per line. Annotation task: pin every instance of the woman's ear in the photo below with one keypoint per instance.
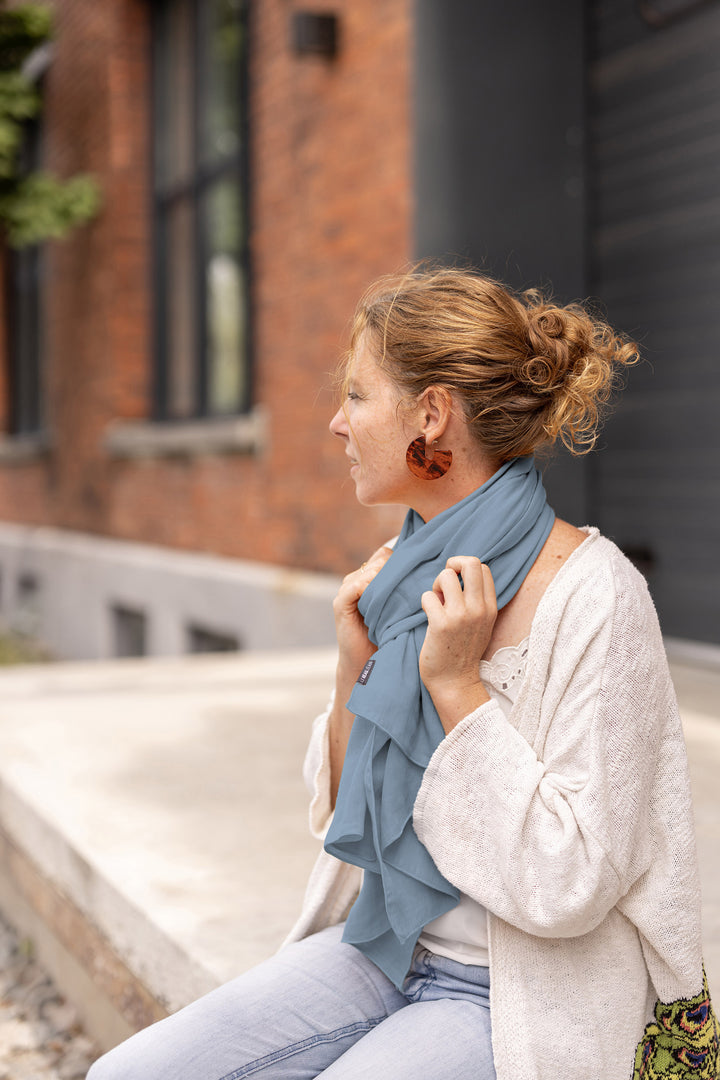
x,y
435,410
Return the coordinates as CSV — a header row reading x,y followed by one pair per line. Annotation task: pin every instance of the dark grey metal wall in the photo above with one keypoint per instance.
x,y
499,122
654,109
505,92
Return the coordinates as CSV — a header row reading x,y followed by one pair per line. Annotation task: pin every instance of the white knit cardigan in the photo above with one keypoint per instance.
x,y
571,823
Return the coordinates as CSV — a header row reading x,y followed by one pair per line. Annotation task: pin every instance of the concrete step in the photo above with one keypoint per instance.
x,y
153,820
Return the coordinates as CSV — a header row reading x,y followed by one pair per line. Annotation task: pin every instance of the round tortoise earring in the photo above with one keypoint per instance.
x,y
424,466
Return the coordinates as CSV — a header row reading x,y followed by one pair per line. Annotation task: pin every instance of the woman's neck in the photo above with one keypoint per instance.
x,y
468,472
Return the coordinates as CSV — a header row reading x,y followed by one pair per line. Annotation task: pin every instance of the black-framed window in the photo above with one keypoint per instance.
x,y
200,207
25,294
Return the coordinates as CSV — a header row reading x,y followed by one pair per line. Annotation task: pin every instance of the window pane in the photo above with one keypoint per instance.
x,y
225,298
174,92
25,322
199,50
129,631
222,41
203,640
25,340
181,310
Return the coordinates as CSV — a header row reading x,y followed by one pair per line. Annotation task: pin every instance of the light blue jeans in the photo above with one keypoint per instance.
x,y
320,1008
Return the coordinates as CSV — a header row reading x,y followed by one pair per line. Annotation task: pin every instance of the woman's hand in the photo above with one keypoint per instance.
x,y
354,646
461,617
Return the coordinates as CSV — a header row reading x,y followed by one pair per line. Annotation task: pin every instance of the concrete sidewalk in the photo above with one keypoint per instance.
x,y
153,819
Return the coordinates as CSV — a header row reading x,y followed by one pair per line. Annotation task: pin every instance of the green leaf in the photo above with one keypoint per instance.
x,y
38,206
22,29
41,207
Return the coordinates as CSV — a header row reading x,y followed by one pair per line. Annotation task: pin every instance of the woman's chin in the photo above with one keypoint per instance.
x,y
377,498
364,495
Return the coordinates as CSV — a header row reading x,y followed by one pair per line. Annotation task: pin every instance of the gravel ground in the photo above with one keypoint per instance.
x,y
40,1036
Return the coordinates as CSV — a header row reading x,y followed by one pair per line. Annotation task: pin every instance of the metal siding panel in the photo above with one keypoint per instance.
x,y
499,155
499,118
655,208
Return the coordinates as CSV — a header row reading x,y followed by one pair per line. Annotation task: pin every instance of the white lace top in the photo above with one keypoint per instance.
x,y
461,934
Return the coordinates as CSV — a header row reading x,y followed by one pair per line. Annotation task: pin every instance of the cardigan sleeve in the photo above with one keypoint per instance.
x,y
544,817
316,773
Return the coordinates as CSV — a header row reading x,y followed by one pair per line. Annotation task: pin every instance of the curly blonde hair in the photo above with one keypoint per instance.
x,y
527,371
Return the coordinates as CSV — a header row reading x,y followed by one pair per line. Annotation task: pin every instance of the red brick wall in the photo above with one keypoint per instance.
x,y
331,209
97,301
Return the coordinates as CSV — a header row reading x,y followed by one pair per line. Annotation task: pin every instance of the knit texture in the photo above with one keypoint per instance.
x,y
572,823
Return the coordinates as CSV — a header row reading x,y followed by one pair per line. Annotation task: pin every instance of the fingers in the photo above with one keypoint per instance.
x,y
377,560
372,565
447,587
355,583
432,604
476,589
472,570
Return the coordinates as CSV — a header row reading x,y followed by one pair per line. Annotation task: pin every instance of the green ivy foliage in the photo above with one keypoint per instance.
x,y
34,206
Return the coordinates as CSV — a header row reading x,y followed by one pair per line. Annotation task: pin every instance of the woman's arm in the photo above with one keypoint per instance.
x,y
331,730
340,722
547,820
354,651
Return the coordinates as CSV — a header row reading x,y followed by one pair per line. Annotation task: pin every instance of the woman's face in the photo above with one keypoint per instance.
x,y
370,423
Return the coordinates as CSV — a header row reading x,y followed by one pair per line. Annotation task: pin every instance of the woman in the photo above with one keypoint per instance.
x,y
508,886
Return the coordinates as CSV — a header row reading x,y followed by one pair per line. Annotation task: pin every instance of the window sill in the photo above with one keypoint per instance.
x,y
192,438
19,449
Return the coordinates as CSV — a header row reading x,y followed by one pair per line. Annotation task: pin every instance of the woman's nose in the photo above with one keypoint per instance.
x,y
338,424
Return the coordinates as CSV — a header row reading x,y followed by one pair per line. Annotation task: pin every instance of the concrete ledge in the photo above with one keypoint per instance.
x,y
246,434
154,821
67,589
21,449
695,654
114,1002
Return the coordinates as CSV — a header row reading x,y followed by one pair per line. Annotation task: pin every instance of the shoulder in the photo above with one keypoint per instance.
x,y
564,539
587,559
596,638
575,567
598,585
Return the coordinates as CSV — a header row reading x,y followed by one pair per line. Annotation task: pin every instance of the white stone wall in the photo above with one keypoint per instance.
x,y
62,587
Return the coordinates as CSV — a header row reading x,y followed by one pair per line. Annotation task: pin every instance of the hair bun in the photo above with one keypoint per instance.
x,y
551,349
548,321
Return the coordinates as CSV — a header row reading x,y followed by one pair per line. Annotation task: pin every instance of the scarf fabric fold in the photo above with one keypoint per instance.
x,y
397,729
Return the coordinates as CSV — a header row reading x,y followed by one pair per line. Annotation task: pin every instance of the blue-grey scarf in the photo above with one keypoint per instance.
x,y
396,730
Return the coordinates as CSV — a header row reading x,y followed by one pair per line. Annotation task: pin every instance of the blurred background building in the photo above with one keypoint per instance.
x,y
167,480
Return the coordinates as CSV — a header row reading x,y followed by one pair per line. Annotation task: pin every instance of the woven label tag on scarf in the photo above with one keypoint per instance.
x,y
366,672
